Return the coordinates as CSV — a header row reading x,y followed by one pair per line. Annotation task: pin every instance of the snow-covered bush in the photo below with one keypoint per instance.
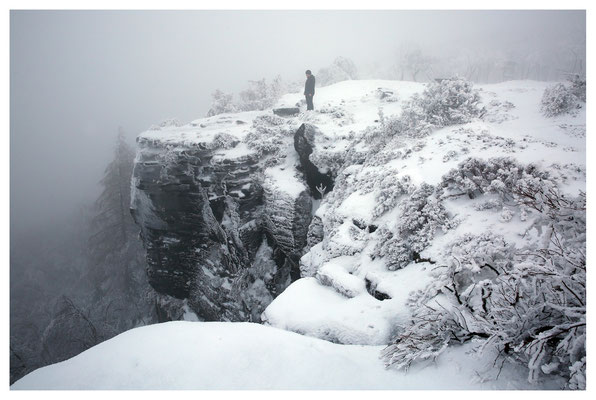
x,y
339,114
438,310
222,103
527,304
342,69
411,123
345,239
389,189
557,99
447,102
383,156
563,98
261,95
578,87
475,176
327,160
420,216
223,140
258,96
450,102
394,250
268,134
498,111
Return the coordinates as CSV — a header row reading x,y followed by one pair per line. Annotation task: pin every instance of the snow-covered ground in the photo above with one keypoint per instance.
x,y
341,309
334,302
218,355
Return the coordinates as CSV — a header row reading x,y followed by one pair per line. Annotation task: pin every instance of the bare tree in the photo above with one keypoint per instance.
x,y
411,59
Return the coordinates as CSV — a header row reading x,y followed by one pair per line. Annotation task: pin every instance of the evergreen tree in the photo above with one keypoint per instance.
x,y
121,294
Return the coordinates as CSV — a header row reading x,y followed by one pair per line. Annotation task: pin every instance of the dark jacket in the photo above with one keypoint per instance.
x,y
309,86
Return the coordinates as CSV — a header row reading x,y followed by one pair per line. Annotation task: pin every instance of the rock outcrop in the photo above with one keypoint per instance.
x,y
286,111
217,233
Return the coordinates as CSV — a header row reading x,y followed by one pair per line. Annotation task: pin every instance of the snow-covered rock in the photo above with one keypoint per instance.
x,y
404,190
371,203
207,196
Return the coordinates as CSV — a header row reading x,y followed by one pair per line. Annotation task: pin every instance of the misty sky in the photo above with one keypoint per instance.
x,y
76,76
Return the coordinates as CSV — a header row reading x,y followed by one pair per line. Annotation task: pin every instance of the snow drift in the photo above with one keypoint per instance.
x,y
212,355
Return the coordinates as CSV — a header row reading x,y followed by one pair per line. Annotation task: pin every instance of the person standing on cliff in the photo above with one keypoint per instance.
x,y
309,89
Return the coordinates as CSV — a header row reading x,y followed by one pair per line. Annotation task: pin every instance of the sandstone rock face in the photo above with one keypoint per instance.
x,y
217,233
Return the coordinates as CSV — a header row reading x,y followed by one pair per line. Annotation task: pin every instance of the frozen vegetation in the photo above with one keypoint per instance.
x,y
454,234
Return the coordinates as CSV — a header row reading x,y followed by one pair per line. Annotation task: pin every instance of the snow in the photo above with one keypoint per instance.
x,y
312,309
354,317
358,205
240,150
202,130
219,355
284,176
332,304
331,301
334,301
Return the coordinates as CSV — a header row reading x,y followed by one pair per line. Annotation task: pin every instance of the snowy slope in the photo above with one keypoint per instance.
x,y
345,296
197,355
336,305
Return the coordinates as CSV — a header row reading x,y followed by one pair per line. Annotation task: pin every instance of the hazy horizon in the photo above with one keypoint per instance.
x,y
76,76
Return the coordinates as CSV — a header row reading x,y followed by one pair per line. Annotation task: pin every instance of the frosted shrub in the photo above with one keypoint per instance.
x,y
222,103
448,102
382,157
394,250
386,95
268,134
411,123
269,120
344,186
258,96
327,160
390,188
475,176
224,140
506,215
525,304
261,95
441,311
498,111
488,205
559,99
578,87
420,216
342,69
340,115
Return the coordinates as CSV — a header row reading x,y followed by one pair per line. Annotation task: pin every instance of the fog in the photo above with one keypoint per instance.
x,y
77,273
77,76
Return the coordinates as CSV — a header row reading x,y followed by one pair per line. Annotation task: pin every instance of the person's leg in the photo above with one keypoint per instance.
x,y
309,105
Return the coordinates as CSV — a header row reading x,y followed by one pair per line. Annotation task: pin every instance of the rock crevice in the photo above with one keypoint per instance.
x,y
319,183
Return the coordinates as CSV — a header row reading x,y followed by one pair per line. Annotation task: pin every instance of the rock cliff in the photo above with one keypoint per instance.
x,y
224,223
